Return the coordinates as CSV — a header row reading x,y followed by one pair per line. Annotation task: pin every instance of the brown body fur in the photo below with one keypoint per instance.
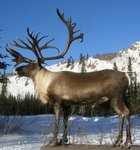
x,y
88,87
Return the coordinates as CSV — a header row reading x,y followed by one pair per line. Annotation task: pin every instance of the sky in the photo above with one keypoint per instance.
x,y
108,25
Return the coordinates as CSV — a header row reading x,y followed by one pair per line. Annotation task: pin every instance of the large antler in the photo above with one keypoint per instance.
x,y
70,26
33,43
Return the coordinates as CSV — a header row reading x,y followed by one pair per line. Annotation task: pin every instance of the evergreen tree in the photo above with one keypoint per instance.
x,y
69,62
83,63
3,77
115,66
133,90
82,57
87,57
83,66
82,109
72,63
130,70
130,73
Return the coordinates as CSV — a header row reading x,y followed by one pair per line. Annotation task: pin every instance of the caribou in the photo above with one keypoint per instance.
x,y
64,89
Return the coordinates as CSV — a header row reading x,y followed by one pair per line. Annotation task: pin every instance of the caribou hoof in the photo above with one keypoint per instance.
x,y
53,143
118,143
128,145
63,141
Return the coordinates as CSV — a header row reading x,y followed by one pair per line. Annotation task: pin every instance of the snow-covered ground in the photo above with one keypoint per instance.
x,y
36,131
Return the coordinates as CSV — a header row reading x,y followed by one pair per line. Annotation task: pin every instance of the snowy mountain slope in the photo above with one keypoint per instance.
x,y
121,60
23,85
20,86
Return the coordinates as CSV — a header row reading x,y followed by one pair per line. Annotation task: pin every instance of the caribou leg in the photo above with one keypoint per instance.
x,y
66,114
128,142
57,110
119,140
122,111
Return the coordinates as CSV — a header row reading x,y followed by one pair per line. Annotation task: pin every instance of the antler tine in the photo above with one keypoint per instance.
x,y
45,46
30,34
42,38
18,58
24,46
36,37
35,44
70,26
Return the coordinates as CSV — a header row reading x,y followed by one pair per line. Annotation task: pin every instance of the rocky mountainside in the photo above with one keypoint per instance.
x,y
20,86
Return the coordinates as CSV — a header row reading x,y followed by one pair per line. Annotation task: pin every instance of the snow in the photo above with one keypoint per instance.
x,y
36,131
20,86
